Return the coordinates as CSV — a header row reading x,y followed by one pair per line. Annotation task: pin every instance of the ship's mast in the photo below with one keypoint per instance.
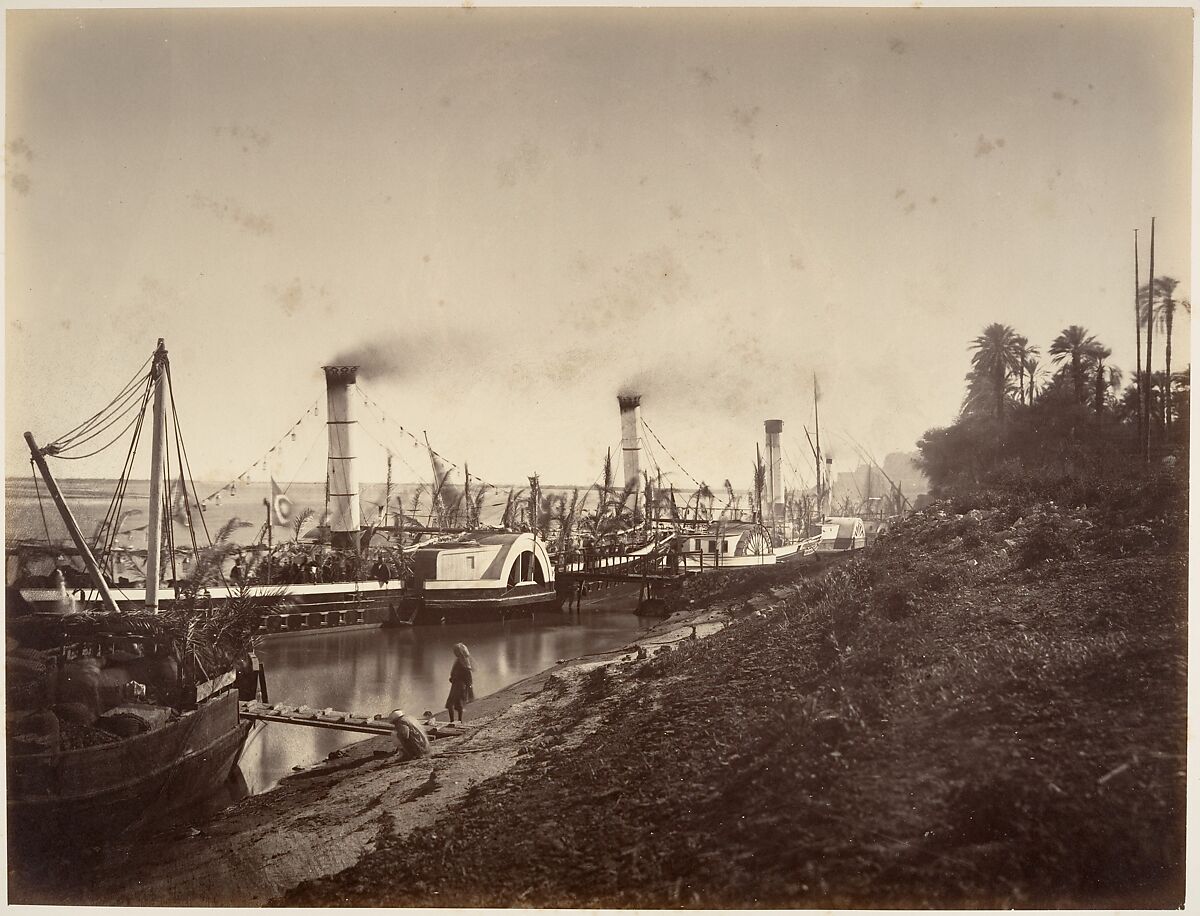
x,y
387,494
817,425
154,528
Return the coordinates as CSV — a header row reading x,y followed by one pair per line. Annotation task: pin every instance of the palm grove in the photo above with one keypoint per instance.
x,y
1062,410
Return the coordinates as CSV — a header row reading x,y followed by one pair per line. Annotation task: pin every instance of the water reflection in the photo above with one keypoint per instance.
x,y
371,671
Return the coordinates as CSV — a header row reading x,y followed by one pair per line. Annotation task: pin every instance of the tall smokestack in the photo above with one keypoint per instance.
x,y
775,495
344,520
631,441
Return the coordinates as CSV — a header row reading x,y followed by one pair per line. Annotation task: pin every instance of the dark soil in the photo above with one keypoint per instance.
x,y
988,709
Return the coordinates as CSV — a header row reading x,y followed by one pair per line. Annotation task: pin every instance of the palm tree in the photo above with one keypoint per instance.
x,y
1166,318
1100,353
1035,372
995,358
1115,378
1077,345
1025,353
301,520
700,502
509,518
1163,318
760,484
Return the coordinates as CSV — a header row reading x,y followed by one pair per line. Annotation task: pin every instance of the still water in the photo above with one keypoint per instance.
x,y
376,671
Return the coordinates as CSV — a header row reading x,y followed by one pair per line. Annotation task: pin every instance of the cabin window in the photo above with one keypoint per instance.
x,y
724,547
470,562
527,566
712,546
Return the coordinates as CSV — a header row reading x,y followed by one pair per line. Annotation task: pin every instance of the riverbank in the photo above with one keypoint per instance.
x,y
325,818
986,710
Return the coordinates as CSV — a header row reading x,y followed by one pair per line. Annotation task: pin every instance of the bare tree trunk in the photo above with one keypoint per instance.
x,y
1137,323
1169,305
1149,346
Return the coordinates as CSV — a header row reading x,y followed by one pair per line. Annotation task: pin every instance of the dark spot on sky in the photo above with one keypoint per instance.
x,y
291,298
251,222
425,258
744,120
933,200
896,46
445,101
1057,95
704,76
20,182
797,262
525,162
246,137
899,193
674,211
983,145
19,147
911,206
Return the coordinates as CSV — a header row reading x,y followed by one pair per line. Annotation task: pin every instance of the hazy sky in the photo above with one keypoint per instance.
x,y
521,212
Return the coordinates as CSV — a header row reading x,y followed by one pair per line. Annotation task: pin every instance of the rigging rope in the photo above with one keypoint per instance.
x,y
128,407
688,474
168,520
307,455
186,462
110,442
69,437
180,458
371,403
112,517
312,410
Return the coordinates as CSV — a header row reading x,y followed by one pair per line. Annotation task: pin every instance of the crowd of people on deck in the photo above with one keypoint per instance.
x,y
313,565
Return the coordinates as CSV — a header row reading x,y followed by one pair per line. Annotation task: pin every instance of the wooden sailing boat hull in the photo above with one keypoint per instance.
x,y
71,799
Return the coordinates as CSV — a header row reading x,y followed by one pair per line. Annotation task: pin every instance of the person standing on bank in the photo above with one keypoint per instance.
x,y
462,682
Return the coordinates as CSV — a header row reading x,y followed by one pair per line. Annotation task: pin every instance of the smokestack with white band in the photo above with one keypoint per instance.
x,y
775,496
631,441
344,519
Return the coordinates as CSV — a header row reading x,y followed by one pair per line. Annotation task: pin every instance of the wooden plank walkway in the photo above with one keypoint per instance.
x,y
316,718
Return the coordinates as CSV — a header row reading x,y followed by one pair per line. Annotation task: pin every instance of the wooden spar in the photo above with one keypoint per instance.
x,y
154,527
466,500
387,494
817,429
72,527
1137,323
267,503
1149,350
